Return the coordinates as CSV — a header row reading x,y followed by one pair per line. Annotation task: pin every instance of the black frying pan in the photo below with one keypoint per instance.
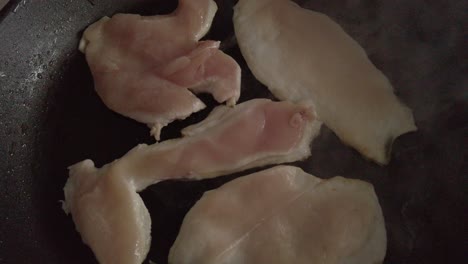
x,y
50,118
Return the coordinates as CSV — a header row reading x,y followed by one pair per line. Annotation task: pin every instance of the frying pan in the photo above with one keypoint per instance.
x,y
50,118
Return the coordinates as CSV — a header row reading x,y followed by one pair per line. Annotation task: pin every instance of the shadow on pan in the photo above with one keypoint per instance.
x,y
50,118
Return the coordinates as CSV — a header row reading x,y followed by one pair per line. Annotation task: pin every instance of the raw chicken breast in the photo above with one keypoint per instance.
x,y
254,133
281,216
146,68
110,215
300,54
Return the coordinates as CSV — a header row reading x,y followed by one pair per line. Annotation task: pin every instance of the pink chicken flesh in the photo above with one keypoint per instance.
x,y
104,203
146,68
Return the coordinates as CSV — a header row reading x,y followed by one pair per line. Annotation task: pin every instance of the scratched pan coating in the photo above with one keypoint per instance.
x,y
50,118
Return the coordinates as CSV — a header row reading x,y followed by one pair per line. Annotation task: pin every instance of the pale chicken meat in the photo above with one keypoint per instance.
x,y
280,216
301,54
255,133
104,203
147,68
109,214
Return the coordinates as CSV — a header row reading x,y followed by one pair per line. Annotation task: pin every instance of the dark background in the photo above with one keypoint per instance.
x,y
50,118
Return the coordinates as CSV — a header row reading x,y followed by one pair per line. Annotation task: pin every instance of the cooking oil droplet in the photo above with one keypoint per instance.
x,y
24,129
11,149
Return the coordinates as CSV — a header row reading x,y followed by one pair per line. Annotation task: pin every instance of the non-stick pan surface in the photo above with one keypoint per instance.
x,y
50,118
